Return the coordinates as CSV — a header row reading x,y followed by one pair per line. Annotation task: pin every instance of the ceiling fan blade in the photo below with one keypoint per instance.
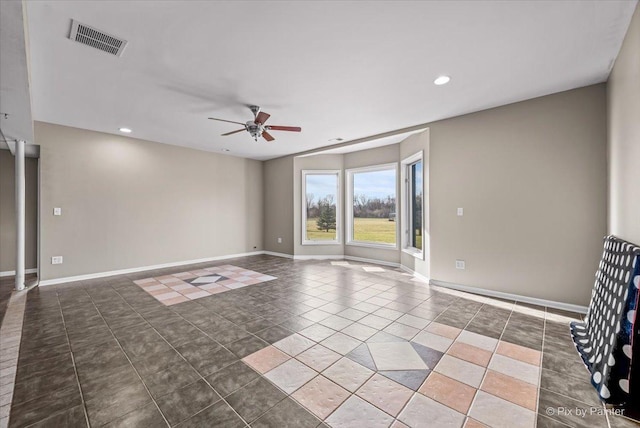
x,y
233,132
230,121
267,136
284,128
262,117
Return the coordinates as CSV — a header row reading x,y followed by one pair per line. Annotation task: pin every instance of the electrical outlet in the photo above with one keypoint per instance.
x,y
460,212
57,211
56,260
279,240
460,264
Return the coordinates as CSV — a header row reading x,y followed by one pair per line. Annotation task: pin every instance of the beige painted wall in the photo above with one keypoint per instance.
x,y
130,203
623,113
377,156
8,212
318,162
278,206
532,179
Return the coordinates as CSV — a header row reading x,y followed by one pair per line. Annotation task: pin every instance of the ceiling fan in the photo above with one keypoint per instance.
x,y
256,127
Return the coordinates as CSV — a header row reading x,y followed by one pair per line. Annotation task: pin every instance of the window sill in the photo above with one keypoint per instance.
x,y
414,252
373,245
312,243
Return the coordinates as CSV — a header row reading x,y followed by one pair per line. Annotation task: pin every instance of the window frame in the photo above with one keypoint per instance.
x,y
407,210
338,240
349,206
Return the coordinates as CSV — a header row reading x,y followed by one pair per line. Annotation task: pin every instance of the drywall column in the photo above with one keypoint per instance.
x,y
20,214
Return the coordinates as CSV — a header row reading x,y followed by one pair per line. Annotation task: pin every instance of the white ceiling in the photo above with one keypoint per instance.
x,y
337,69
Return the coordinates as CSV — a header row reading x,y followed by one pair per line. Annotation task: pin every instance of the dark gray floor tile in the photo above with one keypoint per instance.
x,y
232,377
246,346
565,410
287,414
109,407
576,388
37,386
230,334
185,402
38,354
70,418
40,408
546,422
274,334
296,323
157,362
43,368
99,387
145,417
569,366
220,415
257,325
167,380
206,356
180,332
255,398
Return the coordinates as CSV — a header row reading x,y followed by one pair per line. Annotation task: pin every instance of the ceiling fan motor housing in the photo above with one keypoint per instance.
x,y
255,129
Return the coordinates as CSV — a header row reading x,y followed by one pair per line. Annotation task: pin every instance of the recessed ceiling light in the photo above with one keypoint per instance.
x,y
125,130
442,80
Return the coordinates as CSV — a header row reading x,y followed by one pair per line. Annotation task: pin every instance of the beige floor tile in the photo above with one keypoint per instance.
x,y
470,353
318,357
396,356
290,375
461,370
518,369
357,413
294,344
448,391
348,374
520,353
385,394
423,412
511,389
498,413
433,341
266,359
321,396
478,340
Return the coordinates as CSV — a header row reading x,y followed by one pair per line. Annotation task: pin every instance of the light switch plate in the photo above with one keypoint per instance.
x,y
460,264
57,211
460,212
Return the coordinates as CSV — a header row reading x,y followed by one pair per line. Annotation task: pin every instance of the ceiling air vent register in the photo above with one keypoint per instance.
x,y
97,39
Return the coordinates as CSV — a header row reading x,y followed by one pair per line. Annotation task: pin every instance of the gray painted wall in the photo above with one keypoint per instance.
x,y
130,203
8,212
532,179
623,111
278,207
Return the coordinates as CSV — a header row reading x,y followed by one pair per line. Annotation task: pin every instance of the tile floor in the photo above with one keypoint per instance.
x,y
182,287
321,344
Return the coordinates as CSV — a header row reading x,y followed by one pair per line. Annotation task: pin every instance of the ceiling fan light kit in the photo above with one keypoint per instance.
x,y
256,127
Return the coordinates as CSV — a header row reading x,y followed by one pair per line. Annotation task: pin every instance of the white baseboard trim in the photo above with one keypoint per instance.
x,y
415,274
13,272
510,296
143,268
374,261
273,253
319,257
